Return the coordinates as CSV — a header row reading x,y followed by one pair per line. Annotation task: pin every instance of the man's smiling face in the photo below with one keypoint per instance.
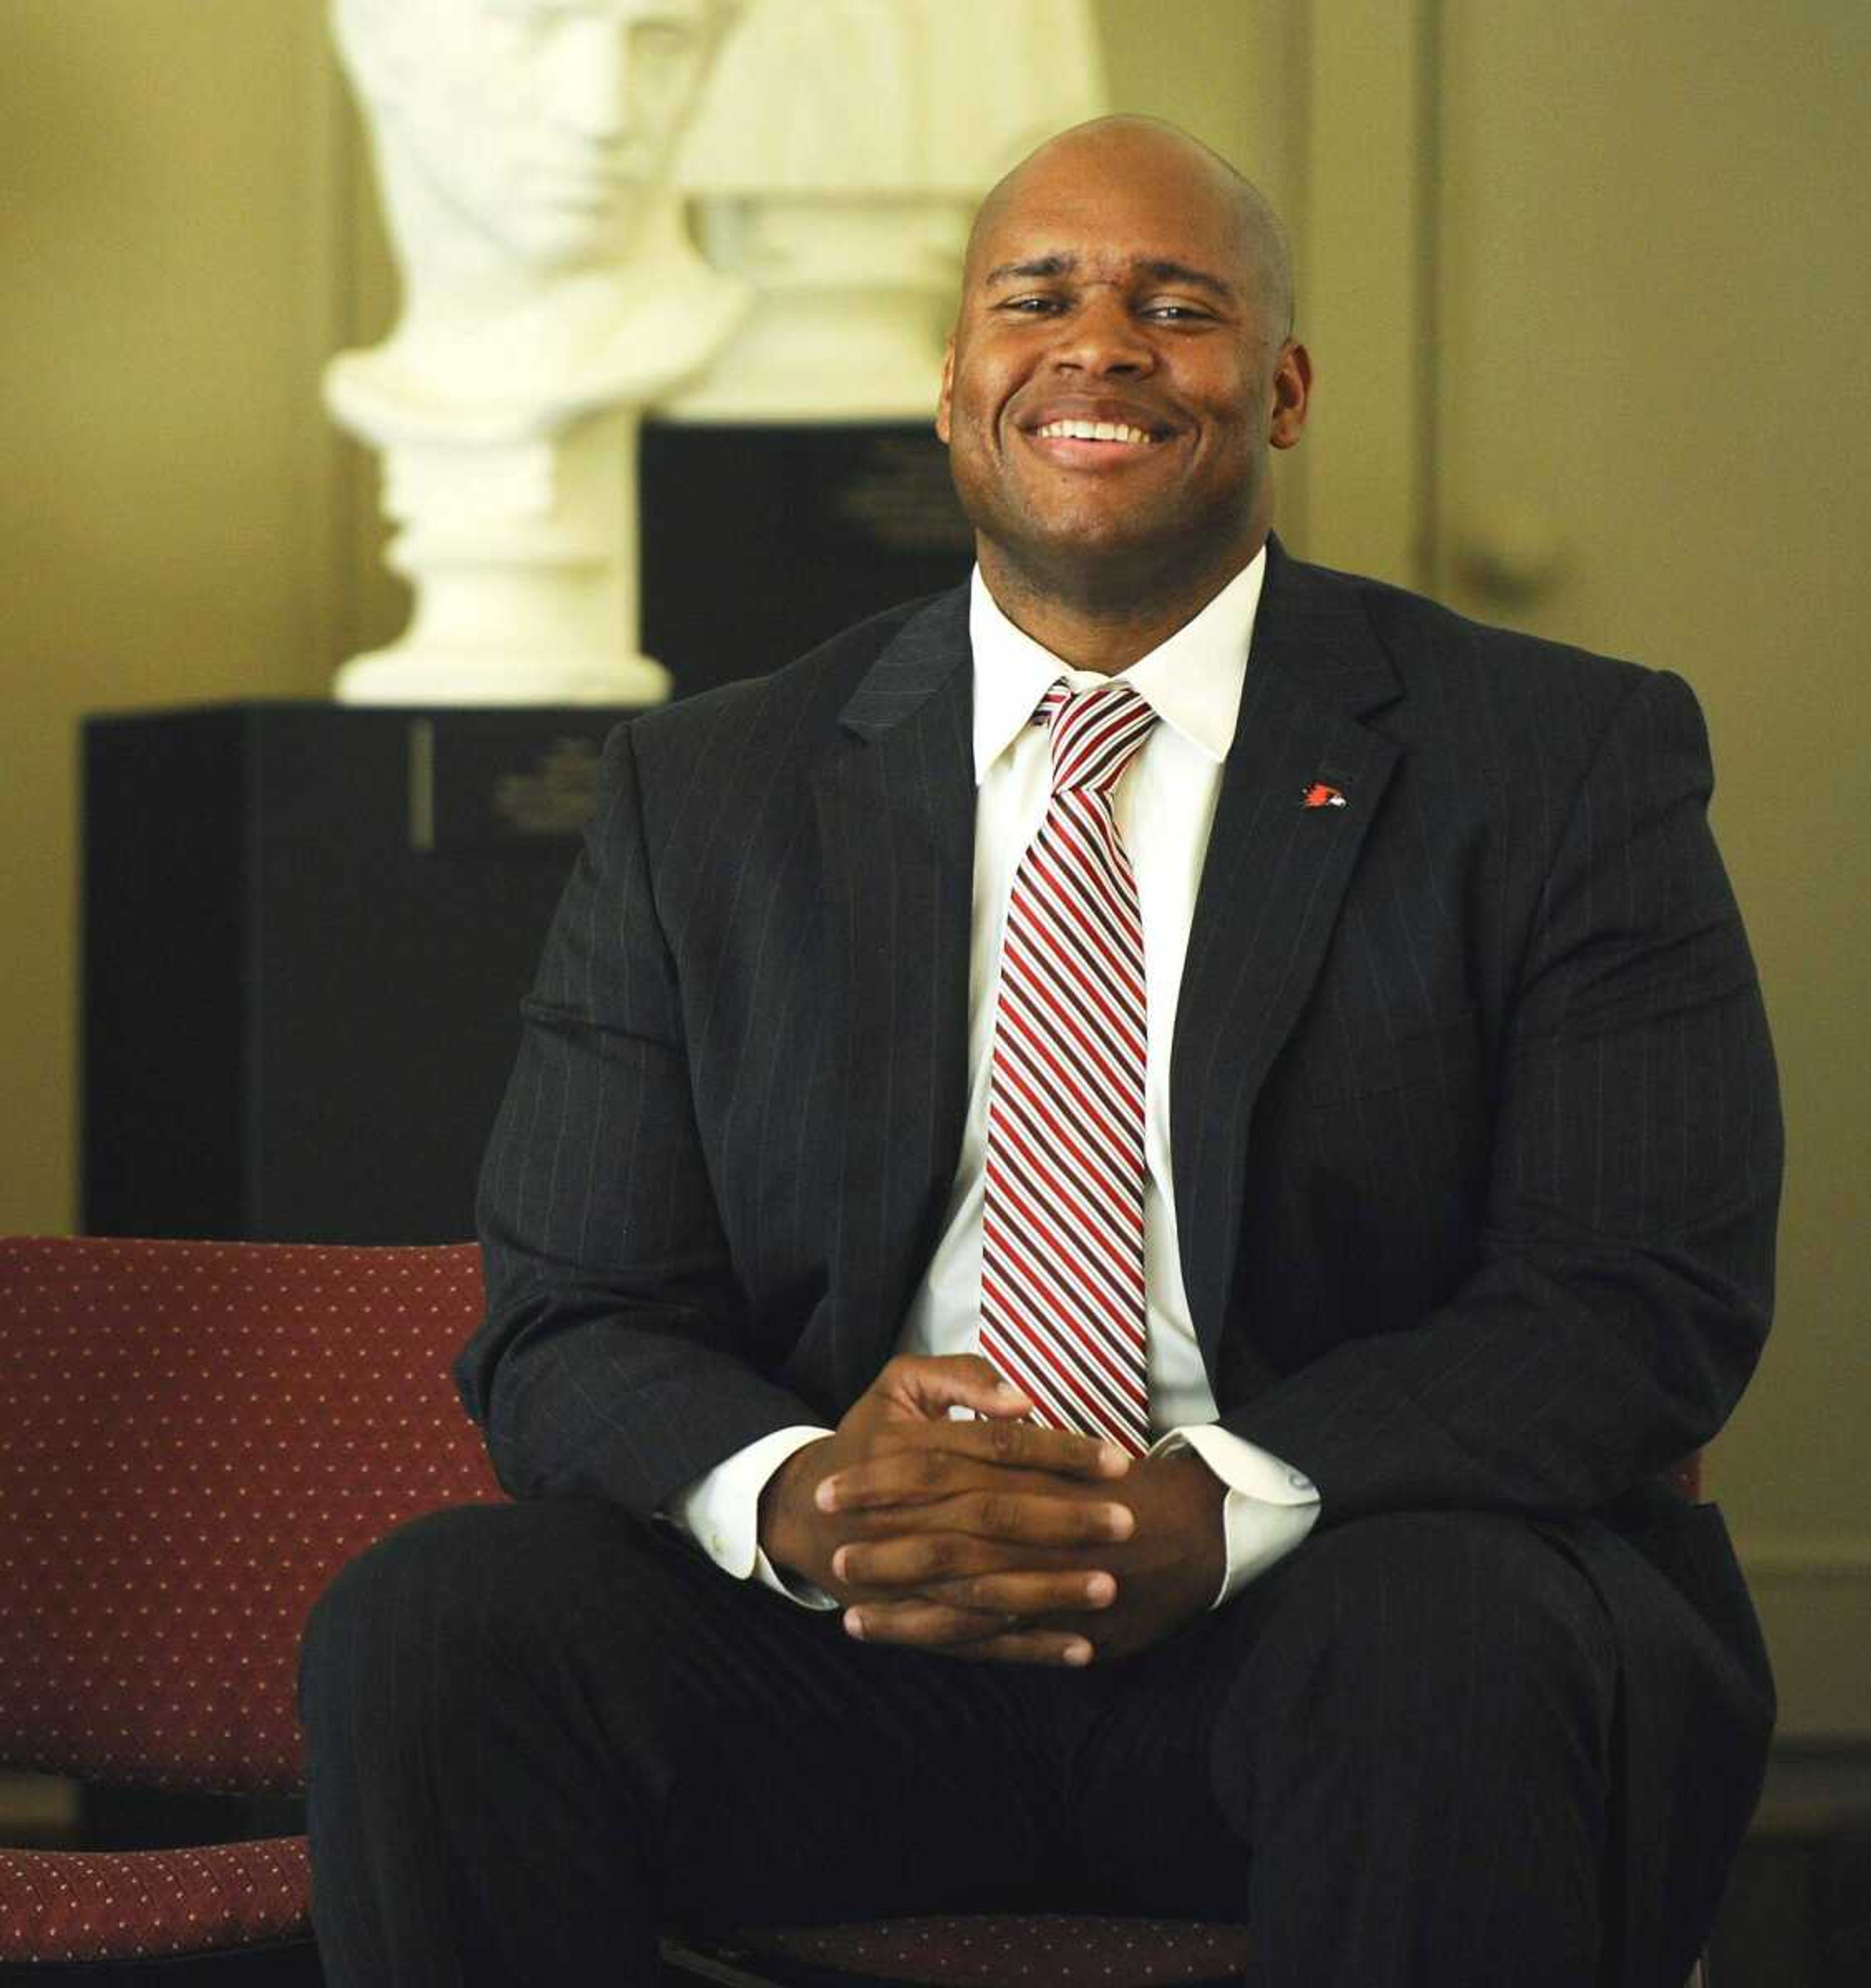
x,y
1119,366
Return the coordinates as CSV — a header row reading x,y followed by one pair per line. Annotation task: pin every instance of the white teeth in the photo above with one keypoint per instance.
x,y
1093,431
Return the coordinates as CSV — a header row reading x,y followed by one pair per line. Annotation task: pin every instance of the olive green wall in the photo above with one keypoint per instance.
x,y
166,505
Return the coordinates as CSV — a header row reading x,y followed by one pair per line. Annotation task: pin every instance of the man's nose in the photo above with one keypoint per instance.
x,y
590,87
1102,336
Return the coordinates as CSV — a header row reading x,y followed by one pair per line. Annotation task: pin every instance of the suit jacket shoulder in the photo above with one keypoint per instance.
x,y
1501,737
1438,653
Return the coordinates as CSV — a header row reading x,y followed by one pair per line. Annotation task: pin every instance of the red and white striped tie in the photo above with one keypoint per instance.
x,y
1062,1292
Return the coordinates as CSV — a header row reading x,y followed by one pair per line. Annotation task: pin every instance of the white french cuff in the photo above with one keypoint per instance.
x,y
720,1511
1271,1506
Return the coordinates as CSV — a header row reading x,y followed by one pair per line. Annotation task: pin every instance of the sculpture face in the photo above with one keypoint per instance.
x,y
544,125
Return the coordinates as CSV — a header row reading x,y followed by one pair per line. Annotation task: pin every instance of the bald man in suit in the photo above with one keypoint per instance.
x,y
1382,1630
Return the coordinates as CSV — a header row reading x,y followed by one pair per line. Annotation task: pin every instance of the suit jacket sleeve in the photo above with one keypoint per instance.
x,y
612,1362
1621,1286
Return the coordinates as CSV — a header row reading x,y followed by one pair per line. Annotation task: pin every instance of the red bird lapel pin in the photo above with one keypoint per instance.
x,y
1319,795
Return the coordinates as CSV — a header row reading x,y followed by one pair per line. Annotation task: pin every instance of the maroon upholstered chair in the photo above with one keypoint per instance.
x,y
194,1437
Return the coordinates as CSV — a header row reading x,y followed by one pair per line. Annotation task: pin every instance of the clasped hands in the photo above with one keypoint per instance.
x,y
995,1539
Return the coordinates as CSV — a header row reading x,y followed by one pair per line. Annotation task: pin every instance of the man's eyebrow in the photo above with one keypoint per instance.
x,y
1157,268
1161,270
1040,266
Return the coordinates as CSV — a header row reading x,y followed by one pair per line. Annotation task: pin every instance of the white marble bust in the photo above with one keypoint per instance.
x,y
549,291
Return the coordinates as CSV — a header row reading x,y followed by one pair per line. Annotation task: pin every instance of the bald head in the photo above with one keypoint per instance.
x,y
1119,148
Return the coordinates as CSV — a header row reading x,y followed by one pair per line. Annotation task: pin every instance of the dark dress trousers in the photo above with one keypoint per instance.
x,y
1477,1147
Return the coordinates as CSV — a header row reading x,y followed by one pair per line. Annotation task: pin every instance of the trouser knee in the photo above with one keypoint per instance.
x,y
431,1621
1418,1747
1470,1629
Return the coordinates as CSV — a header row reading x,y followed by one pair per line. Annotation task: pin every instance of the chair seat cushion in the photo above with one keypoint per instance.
x,y
1000,1950
97,1904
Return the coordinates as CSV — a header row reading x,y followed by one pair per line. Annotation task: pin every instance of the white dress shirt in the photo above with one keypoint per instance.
x,y
1164,805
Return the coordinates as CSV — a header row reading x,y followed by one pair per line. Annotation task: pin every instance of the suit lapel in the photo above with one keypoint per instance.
x,y
1275,875
895,803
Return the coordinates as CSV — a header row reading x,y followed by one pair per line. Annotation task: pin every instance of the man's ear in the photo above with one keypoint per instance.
x,y
948,390
1292,394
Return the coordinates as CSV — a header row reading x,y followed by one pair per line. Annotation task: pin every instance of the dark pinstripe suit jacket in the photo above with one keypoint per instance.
x,y
1475,1132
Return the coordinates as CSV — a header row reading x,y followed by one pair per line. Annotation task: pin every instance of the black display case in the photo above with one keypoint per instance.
x,y
307,929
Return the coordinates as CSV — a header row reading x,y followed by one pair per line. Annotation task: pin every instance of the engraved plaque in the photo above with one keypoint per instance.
x,y
485,780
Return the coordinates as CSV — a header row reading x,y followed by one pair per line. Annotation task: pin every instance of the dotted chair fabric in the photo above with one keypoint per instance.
x,y
981,1950
94,1905
1000,1950
194,1437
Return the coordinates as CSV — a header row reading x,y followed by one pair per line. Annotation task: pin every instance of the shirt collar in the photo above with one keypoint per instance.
x,y
1193,680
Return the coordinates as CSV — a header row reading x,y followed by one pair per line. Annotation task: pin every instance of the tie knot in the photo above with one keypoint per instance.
x,y
1095,734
